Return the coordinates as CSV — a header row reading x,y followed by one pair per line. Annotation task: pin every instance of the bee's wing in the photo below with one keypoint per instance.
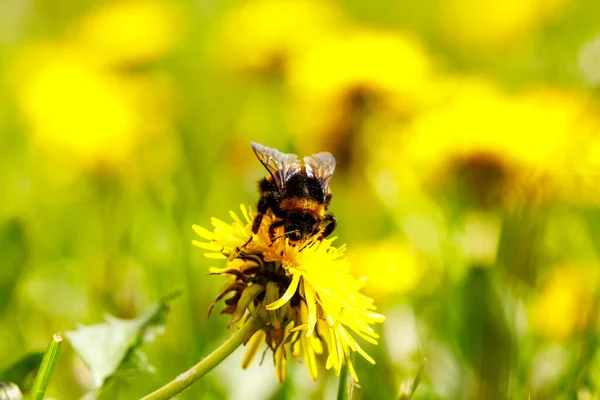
x,y
281,166
321,166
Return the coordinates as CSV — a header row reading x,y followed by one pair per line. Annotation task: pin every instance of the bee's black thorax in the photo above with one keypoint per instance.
x,y
303,186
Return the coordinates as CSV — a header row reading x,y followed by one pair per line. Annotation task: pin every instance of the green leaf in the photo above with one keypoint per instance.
x,y
22,372
135,363
111,348
486,342
521,243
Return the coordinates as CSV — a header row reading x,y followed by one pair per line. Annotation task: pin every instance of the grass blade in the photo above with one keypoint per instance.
x,y
46,368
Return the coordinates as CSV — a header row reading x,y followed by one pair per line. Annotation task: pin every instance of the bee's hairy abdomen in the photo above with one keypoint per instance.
x,y
305,205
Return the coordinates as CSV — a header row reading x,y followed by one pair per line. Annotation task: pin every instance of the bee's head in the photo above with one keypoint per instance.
x,y
301,226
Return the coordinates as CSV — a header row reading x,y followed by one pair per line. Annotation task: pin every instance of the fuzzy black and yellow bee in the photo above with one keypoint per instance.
x,y
297,193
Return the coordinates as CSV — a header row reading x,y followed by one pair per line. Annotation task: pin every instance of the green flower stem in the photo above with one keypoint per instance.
x,y
44,374
193,374
342,393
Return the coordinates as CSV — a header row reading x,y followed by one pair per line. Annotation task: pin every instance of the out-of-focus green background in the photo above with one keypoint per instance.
x,y
467,135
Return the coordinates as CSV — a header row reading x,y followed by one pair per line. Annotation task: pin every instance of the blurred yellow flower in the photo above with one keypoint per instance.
x,y
82,101
76,108
390,266
479,142
304,293
490,25
575,118
81,112
130,32
343,76
265,35
566,301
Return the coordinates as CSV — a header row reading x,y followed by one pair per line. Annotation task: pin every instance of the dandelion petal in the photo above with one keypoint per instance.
x,y
287,295
203,232
311,303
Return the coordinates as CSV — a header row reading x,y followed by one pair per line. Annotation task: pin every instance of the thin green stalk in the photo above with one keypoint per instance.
x,y
417,380
193,374
44,374
342,393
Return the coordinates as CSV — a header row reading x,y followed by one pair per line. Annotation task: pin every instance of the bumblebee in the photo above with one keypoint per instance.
x,y
296,192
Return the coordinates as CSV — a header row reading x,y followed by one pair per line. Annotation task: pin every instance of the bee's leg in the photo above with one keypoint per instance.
x,y
261,209
330,227
274,226
239,249
269,200
257,221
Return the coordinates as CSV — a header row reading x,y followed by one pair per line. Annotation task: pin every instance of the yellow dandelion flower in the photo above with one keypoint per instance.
x,y
493,24
130,32
572,117
345,75
83,102
265,35
390,266
304,293
481,143
566,302
75,108
76,111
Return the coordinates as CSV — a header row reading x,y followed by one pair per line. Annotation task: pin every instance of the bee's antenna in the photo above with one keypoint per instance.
x,y
283,234
308,243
